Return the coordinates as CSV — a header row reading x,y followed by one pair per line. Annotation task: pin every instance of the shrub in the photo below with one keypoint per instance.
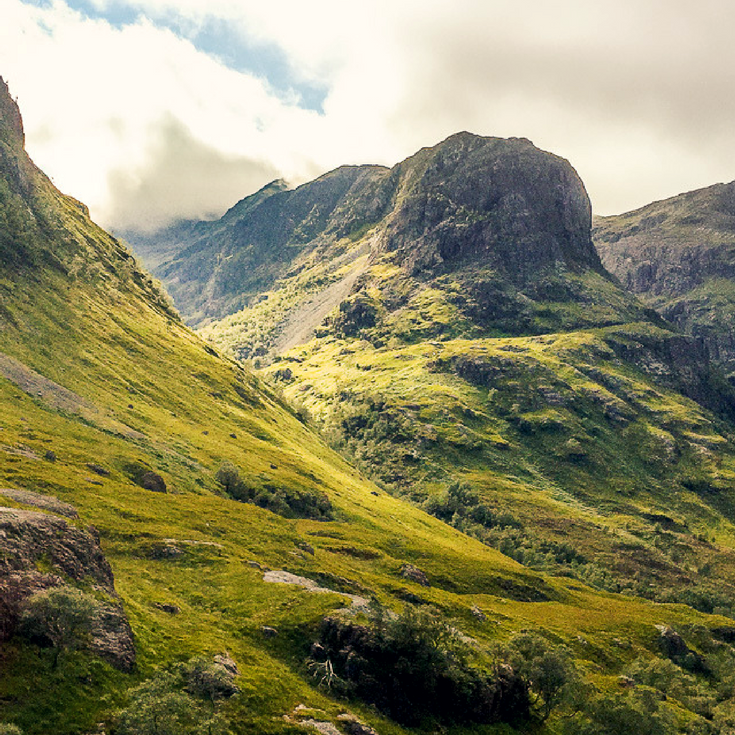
x,y
157,708
228,475
164,704
414,666
636,712
288,502
7,728
548,671
62,616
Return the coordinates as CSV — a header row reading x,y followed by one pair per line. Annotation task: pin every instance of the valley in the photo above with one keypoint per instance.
x,y
507,482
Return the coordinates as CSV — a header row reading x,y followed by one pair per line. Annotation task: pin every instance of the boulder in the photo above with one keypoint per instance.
x,y
414,574
353,726
153,482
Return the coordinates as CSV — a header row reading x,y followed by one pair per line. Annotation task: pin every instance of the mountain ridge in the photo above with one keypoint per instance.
x,y
679,256
424,210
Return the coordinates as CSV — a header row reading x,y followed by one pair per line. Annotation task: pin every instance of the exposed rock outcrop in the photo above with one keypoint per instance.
x,y
413,573
492,202
679,256
44,502
11,123
39,551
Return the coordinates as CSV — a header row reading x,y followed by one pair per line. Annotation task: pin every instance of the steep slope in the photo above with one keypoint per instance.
x,y
482,343
106,397
112,413
219,266
678,255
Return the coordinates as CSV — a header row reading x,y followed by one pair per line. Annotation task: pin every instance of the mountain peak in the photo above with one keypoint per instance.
x,y
502,202
11,122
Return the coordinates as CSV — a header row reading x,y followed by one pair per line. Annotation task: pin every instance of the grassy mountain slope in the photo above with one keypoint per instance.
x,y
100,381
483,343
423,211
678,255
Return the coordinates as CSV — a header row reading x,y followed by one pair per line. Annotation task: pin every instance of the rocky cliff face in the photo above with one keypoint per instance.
x,y
489,202
39,551
679,256
469,201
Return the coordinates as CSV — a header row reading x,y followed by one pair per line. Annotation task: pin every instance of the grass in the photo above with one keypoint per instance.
x,y
534,424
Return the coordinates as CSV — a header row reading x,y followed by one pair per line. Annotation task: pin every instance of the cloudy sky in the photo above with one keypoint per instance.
x,y
152,110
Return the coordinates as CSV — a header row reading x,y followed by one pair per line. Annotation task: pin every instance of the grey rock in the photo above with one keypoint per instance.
x,y
45,502
414,574
227,663
668,251
354,726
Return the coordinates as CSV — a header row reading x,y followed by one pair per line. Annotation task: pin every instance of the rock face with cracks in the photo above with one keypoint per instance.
x,y
678,255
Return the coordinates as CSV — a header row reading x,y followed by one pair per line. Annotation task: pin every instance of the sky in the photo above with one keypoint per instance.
x,y
151,111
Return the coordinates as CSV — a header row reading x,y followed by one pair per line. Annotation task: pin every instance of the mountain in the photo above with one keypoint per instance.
x,y
423,211
678,255
159,483
180,553
449,322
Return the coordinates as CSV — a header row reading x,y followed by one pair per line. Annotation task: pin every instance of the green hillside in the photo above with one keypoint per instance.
x,y
107,400
600,437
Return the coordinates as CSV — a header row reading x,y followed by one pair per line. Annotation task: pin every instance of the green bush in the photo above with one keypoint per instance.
x,y
172,702
415,666
637,711
548,671
62,616
287,502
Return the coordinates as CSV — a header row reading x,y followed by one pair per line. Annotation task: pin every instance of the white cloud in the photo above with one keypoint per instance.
x,y
637,94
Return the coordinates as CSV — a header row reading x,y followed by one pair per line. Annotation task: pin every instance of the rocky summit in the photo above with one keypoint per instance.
x,y
469,201
491,202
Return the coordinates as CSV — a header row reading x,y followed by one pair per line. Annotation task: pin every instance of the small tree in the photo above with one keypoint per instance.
x,y
548,670
6,728
62,615
157,708
228,475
